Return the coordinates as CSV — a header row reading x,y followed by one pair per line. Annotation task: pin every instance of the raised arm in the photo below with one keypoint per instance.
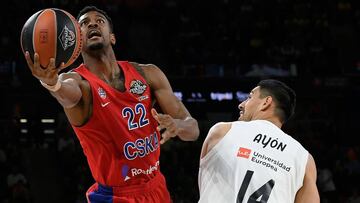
x,y
308,193
67,88
176,118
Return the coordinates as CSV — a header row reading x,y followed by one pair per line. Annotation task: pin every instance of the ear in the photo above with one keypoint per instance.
x,y
112,39
267,102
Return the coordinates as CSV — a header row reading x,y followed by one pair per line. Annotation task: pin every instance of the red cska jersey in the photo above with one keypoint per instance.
x,y
120,139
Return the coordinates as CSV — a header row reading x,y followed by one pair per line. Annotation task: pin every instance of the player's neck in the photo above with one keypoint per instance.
x,y
103,65
100,56
103,61
271,118
275,121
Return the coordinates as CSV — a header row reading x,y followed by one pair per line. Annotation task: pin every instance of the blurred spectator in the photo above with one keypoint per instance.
x,y
326,185
20,193
15,176
355,195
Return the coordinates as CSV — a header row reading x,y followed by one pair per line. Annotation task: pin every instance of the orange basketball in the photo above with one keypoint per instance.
x,y
52,33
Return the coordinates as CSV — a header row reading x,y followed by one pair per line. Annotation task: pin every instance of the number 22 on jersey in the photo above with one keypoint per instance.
x,y
261,195
131,113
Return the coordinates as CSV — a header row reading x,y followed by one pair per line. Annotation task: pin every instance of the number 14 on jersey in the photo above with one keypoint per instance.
x,y
261,195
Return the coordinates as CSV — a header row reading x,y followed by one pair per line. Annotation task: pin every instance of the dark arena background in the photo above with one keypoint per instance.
x,y
213,53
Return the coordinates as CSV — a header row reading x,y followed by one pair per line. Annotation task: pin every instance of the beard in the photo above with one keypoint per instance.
x,y
96,46
243,118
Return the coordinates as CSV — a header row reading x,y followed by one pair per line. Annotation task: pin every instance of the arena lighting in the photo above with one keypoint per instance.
x,y
47,120
23,120
196,97
49,131
179,95
204,96
241,96
219,96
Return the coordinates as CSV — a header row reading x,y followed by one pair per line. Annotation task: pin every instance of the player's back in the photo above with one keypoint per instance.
x,y
254,161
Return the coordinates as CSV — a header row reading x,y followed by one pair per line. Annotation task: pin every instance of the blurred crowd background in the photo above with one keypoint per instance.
x,y
213,53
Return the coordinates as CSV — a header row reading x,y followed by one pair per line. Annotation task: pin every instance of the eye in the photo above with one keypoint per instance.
x,y
100,20
82,23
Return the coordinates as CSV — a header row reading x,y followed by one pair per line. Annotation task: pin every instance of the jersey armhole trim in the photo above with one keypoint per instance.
x,y
303,171
214,150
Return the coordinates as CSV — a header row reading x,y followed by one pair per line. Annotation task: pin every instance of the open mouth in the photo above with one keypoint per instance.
x,y
93,33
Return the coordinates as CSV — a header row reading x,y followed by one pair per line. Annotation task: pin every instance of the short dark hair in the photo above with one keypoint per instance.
x,y
87,9
284,96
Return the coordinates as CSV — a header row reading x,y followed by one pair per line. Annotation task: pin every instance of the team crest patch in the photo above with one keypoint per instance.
x,y
137,87
101,93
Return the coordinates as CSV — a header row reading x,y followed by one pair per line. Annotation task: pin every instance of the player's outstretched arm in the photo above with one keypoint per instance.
x,y
308,193
65,88
176,119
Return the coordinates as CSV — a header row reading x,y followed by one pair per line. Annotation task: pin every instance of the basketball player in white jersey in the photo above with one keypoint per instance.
x,y
253,160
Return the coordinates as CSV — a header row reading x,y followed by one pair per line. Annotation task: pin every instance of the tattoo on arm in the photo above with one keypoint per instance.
x,y
140,70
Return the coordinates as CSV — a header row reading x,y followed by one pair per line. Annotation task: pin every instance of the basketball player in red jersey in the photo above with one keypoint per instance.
x,y
109,104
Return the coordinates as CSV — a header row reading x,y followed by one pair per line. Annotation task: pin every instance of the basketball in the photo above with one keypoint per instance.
x,y
52,33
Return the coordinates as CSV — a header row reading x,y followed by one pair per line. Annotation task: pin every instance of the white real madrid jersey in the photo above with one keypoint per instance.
x,y
254,162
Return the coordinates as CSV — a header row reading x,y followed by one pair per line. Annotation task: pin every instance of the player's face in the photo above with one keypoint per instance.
x,y
250,106
95,31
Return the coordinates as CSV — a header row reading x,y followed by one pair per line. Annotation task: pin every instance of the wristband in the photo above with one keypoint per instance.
x,y
52,88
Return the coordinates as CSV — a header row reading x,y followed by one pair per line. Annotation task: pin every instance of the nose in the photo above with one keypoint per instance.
x,y
241,106
92,23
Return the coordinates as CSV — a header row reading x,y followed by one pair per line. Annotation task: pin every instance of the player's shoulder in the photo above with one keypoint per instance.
x,y
143,65
152,73
220,129
222,125
146,68
215,134
148,71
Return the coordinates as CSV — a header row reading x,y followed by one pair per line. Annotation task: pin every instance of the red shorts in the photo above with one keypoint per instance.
x,y
154,191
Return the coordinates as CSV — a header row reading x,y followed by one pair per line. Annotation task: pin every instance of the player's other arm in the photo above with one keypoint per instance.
x,y
308,193
215,134
176,118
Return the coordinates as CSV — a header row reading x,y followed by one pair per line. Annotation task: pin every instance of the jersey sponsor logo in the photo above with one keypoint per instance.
x,y
124,172
141,147
138,171
102,93
137,87
262,159
141,98
269,162
148,171
244,152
